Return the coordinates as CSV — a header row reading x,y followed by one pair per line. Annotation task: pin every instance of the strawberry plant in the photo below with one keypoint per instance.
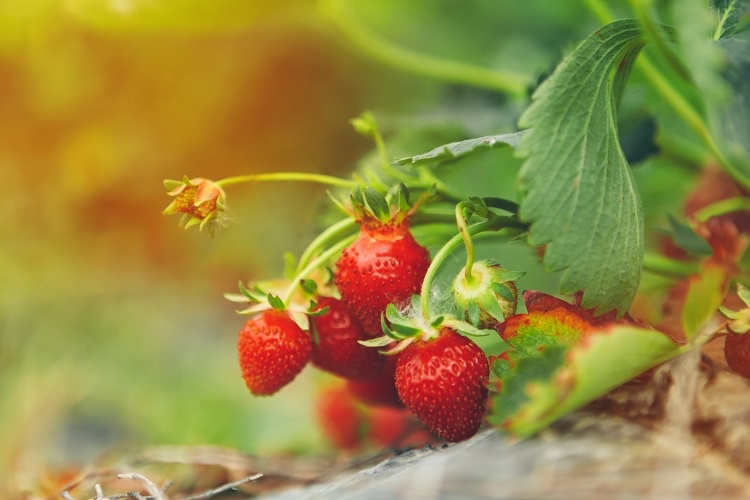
x,y
374,298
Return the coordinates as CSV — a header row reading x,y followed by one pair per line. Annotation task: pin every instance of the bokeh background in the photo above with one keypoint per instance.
x,y
113,330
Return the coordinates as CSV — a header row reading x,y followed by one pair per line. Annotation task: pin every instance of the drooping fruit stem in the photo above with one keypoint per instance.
x,y
331,234
494,223
463,230
328,180
313,265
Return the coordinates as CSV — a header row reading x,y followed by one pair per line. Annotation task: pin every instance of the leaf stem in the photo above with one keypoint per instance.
x,y
341,13
664,266
723,207
329,180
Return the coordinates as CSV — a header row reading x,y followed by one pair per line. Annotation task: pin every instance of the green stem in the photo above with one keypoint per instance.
x,y
643,13
332,233
432,66
674,99
659,264
722,207
313,265
329,180
463,230
491,224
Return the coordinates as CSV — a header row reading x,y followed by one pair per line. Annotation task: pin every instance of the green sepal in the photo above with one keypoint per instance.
x,y
312,312
276,302
254,295
377,204
437,322
308,286
502,290
171,184
402,198
377,341
474,313
466,328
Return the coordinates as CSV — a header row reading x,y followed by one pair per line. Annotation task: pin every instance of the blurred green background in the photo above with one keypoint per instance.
x,y
113,328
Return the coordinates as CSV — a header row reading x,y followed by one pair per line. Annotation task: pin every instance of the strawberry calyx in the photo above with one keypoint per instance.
x,y
264,296
382,214
401,330
486,296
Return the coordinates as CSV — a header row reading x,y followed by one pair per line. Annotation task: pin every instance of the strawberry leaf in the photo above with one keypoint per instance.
x,y
540,390
686,238
459,149
578,192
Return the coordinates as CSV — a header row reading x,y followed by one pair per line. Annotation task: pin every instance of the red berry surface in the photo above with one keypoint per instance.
x,y
737,352
337,349
444,383
340,419
380,391
385,264
272,349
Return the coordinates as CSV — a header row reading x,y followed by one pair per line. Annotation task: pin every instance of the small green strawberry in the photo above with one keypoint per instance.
x,y
488,295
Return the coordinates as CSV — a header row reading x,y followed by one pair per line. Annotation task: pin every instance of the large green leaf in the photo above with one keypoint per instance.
x,y
579,193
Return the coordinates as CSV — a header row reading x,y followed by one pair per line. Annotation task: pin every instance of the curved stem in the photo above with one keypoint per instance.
x,y
492,224
463,230
329,180
722,207
332,233
313,265
401,57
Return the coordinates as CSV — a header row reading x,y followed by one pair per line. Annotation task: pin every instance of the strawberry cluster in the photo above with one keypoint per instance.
x,y
369,323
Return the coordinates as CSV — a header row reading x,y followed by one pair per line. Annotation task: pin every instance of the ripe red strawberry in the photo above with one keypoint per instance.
x,y
737,352
337,349
385,264
340,419
380,391
273,349
443,381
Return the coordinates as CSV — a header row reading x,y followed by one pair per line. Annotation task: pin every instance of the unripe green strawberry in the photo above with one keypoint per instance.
x,y
487,298
273,350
